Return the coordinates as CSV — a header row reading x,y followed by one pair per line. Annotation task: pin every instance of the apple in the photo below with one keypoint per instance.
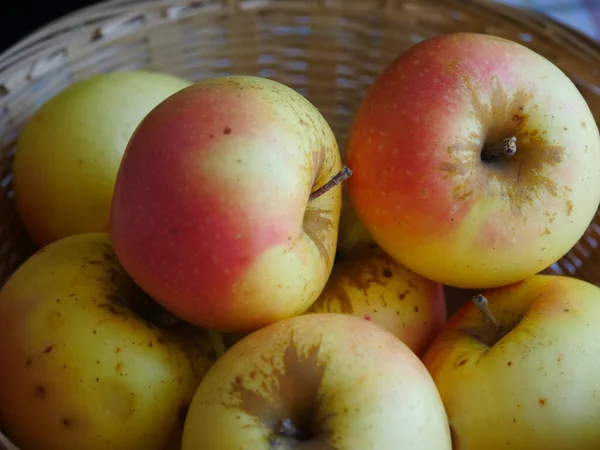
x,y
87,360
227,203
368,283
317,381
476,161
351,233
519,367
69,152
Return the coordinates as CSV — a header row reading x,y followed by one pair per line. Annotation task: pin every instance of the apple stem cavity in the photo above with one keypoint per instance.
x,y
338,178
287,429
482,304
506,147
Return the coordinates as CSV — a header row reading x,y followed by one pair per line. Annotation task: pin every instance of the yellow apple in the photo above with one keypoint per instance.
x,y
87,360
69,152
317,381
368,283
519,368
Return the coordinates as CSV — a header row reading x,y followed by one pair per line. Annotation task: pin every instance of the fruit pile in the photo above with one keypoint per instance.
x,y
214,273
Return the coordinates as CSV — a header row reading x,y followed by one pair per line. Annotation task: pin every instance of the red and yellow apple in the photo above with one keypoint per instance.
x,y
520,368
215,212
87,360
317,381
69,152
440,183
368,283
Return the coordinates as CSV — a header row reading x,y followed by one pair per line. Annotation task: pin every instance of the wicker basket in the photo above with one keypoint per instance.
x,y
329,50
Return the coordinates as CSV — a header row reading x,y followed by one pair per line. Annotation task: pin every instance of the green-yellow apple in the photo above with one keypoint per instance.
x,y
476,161
368,283
351,233
69,153
226,207
318,381
87,360
519,367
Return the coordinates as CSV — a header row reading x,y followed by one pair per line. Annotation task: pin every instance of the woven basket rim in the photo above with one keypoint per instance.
x,y
79,23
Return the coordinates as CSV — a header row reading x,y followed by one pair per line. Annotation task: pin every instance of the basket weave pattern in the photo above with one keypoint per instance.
x,y
328,50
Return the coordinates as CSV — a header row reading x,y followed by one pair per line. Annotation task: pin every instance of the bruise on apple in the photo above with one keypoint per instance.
x,y
290,408
521,178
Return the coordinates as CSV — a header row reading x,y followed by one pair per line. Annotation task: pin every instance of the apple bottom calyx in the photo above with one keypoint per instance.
x,y
338,178
506,147
286,428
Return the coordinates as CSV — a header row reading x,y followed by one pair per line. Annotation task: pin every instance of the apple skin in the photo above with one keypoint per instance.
x,y
69,152
83,364
420,187
368,283
536,387
351,233
211,213
344,382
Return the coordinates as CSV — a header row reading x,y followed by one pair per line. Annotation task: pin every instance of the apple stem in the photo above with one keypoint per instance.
x,y
338,178
507,147
287,429
483,305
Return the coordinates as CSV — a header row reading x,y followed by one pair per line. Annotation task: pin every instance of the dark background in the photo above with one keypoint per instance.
x,y
21,17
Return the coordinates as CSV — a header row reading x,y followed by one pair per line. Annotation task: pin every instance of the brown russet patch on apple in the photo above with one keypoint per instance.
x,y
358,272
519,180
542,401
290,390
319,226
318,160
